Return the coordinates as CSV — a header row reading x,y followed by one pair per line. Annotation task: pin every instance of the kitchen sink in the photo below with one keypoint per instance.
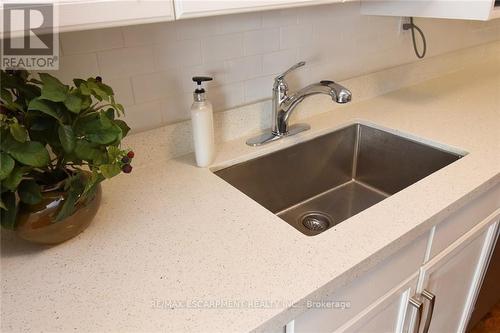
x,y
319,183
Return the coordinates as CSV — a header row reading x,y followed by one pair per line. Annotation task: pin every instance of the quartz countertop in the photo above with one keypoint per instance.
x,y
175,248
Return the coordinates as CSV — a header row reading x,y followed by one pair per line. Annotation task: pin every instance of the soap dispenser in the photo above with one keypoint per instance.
x,y
203,124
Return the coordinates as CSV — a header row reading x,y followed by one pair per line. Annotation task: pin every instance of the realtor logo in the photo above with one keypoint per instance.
x,y
29,39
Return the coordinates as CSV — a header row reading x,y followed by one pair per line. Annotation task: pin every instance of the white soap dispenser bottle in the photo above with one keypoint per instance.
x,y
203,124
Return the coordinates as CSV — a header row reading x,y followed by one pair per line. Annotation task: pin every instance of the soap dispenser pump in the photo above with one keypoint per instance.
x,y
203,124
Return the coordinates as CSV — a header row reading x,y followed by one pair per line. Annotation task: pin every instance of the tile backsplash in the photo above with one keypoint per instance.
x,y
150,66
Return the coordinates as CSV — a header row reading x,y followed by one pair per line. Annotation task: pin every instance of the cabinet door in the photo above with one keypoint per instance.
x,y
345,303
470,10
73,15
198,8
387,314
454,276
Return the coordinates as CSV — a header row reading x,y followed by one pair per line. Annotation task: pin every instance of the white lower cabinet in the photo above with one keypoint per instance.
x,y
369,288
388,314
451,279
437,297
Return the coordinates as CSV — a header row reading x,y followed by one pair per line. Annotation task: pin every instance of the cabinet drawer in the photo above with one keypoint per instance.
x,y
363,291
463,220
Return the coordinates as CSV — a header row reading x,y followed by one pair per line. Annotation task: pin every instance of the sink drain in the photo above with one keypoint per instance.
x,y
316,221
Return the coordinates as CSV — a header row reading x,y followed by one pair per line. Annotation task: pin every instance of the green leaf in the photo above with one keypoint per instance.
x,y
115,153
110,113
99,90
29,192
105,121
78,82
18,132
67,137
85,150
31,153
12,181
74,187
8,216
91,186
74,103
52,89
124,127
45,107
35,81
6,165
6,96
110,170
41,124
104,136
105,88
18,82
93,123
87,102
84,89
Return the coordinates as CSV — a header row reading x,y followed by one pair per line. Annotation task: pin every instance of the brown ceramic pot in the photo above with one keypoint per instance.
x,y
35,223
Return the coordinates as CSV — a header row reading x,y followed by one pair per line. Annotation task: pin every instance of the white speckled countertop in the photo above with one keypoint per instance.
x,y
171,231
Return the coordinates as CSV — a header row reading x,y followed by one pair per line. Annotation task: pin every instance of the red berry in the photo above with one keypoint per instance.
x,y
126,160
127,168
98,79
130,154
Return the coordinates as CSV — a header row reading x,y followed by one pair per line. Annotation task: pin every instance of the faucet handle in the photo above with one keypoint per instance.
x,y
291,69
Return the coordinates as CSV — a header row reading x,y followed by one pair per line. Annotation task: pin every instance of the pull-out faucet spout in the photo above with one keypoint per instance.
x,y
283,105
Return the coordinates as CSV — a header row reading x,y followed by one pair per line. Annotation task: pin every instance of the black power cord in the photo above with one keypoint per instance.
x,y
413,27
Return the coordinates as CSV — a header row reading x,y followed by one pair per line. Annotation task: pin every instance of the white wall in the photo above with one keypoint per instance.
x,y
150,66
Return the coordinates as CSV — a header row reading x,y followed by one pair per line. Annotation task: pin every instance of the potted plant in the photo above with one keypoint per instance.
x,y
58,143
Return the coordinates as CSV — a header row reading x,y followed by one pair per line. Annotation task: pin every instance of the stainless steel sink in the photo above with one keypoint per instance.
x,y
319,183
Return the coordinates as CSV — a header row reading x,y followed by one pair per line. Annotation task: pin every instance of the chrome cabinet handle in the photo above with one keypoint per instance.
x,y
419,306
432,300
291,69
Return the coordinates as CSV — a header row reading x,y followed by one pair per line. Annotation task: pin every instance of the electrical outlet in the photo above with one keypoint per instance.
x,y
403,20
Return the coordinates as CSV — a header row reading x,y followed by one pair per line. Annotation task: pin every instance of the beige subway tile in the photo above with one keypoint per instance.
x,y
77,66
227,96
258,89
197,28
238,23
126,61
91,40
213,69
154,86
122,89
295,35
148,34
144,116
179,54
243,68
261,41
177,108
277,62
222,47
279,18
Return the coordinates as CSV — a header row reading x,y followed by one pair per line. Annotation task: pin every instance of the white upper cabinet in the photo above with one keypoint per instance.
x,y
467,10
81,14
199,8
72,15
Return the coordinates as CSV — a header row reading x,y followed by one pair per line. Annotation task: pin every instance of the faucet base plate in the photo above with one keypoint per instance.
x,y
269,136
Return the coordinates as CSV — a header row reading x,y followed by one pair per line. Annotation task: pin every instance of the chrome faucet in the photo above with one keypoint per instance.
x,y
283,105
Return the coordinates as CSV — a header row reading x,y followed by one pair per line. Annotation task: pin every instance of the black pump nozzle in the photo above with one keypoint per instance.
x,y
199,80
